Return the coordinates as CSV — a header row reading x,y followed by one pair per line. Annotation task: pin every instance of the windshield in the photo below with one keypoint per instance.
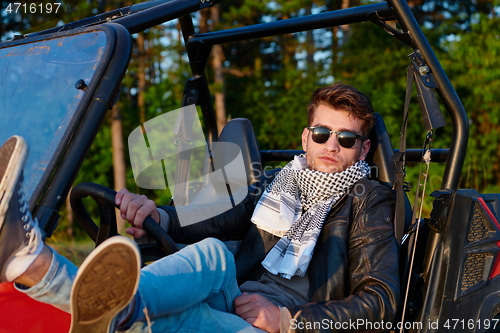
x,y
38,98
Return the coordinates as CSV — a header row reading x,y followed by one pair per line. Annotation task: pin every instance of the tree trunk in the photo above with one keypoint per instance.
x,y
204,17
310,47
336,41
141,77
119,173
217,65
345,28
69,217
217,60
220,106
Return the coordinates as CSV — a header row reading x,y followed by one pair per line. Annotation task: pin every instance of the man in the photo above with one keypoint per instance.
x,y
318,251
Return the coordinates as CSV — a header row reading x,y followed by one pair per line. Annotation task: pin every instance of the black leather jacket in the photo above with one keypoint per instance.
x,y
353,275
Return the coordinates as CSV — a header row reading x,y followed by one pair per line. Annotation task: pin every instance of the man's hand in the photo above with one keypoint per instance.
x,y
258,311
135,208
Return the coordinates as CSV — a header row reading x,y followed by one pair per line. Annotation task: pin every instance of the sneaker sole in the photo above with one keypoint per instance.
x,y
105,284
11,165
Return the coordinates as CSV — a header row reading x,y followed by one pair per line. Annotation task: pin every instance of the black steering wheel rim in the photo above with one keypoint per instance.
x,y
105,198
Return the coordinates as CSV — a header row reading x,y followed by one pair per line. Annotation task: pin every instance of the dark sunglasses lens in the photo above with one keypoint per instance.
x,y
320,134
347,139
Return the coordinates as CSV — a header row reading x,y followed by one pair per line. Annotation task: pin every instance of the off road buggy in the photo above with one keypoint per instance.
x,y
57,86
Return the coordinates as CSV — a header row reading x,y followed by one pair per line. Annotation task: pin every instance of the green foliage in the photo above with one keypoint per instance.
x,y
379,70
473,63
277,110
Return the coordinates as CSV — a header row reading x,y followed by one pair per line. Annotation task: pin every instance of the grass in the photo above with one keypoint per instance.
x,y
75,251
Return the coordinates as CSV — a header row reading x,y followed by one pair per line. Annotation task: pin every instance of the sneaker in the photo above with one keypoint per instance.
x,y
104,285
20,238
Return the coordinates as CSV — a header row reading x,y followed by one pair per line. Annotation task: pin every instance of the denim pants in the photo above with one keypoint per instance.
x,y
190,291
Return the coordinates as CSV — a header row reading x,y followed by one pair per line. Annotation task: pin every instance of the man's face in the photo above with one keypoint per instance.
x,y
330,156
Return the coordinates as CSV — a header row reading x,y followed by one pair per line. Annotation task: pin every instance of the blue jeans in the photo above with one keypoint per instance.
x,y
190,291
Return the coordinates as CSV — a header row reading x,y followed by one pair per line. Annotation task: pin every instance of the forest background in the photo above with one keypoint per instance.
x,y
269,80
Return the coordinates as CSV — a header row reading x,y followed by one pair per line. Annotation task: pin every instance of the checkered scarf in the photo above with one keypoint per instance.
x,y
294,207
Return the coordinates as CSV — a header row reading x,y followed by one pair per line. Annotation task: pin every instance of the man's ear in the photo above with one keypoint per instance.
x,y
365,148
305,134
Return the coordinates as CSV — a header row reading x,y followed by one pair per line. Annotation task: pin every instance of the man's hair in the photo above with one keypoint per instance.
x,y
344,97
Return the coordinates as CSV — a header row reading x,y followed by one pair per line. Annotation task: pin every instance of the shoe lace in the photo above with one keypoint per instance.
x,y
30,225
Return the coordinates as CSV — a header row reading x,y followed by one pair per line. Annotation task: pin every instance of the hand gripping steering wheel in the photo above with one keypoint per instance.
x,y
105,198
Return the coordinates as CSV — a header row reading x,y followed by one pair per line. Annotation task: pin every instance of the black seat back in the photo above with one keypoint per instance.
x,y
379,157
240,132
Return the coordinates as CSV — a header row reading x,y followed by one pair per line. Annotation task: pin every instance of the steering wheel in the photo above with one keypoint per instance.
x,y
105,198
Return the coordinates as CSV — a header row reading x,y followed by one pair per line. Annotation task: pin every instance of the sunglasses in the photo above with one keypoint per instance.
x,y
345,138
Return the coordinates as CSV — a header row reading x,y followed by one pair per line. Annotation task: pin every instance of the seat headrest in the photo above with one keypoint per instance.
x,y
240,132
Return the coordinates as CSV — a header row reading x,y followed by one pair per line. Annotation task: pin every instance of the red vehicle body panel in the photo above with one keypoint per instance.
x,y
22,314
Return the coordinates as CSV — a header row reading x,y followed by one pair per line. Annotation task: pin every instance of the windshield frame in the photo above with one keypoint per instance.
x,y
83,102
98,97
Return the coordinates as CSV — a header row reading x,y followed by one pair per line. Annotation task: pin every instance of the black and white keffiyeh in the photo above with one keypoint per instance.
x,y
294,207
